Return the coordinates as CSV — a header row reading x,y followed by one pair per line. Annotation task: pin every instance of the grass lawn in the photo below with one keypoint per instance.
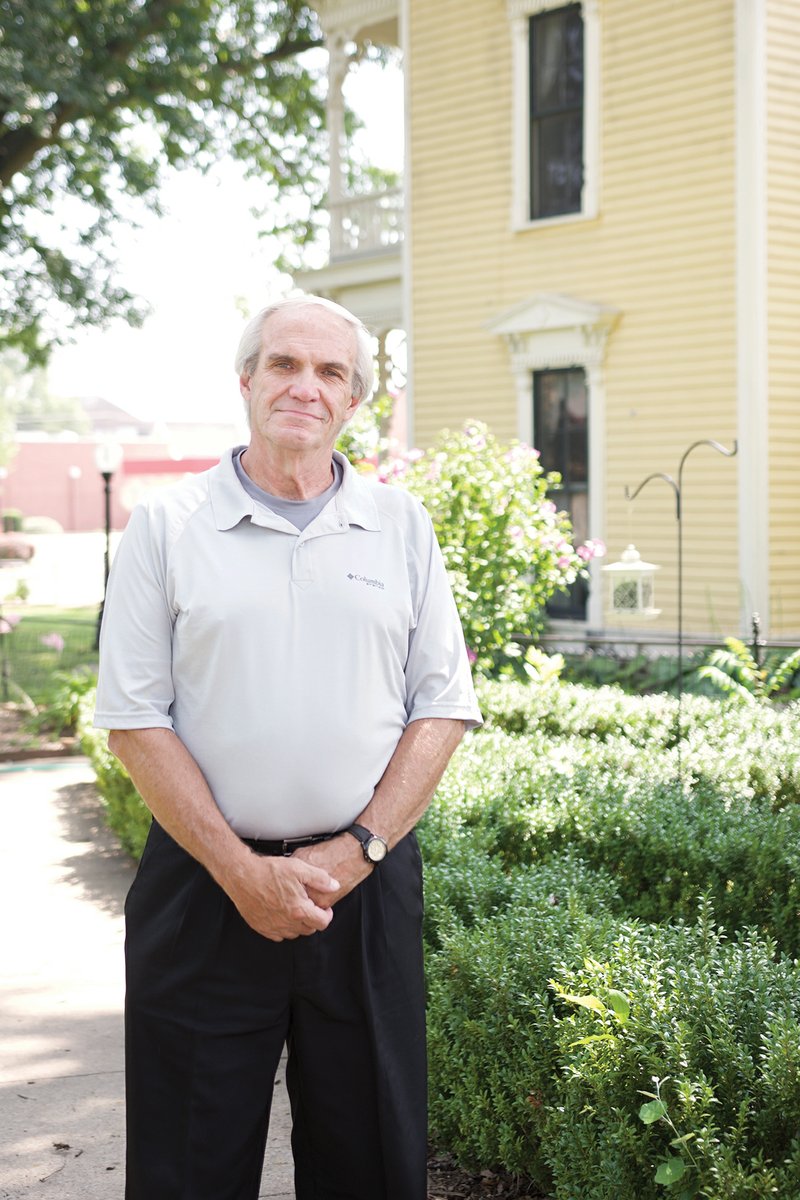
x,y
38,644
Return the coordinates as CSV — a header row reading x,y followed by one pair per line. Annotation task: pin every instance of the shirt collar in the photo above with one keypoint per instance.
x,y
230,503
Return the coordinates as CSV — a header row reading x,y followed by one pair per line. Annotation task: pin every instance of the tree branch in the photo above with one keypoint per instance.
x,y
19,146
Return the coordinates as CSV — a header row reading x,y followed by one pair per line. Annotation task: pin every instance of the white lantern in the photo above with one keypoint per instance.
x,y
632,586
108,457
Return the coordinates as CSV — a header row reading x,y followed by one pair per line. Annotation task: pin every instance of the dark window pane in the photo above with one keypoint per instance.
x,y
550,423
561,435
557,60
557,161
577,433
556,111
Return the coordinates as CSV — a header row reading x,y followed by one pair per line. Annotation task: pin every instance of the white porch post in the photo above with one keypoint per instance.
x,y
338,66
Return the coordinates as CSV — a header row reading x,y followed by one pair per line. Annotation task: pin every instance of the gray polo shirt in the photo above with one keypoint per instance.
x,y
289,663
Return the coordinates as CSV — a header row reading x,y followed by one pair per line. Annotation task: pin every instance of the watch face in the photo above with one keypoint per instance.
x,y
376,849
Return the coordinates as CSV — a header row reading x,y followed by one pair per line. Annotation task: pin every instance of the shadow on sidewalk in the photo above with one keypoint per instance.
x,y
104,872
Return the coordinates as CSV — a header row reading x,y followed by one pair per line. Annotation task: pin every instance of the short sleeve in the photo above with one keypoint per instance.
x,y
134,687
438,675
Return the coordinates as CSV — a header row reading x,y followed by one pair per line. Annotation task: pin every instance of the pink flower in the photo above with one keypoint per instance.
x,y
471,656
8,622
593,548
516,533
53,641
549,508
563,563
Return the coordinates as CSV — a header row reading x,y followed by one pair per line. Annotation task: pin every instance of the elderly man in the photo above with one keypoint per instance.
x,y
284,676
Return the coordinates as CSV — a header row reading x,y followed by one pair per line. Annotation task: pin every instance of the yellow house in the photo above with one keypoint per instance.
x,y
599,253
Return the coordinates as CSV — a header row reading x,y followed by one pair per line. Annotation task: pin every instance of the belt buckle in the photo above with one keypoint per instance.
x,y
289,845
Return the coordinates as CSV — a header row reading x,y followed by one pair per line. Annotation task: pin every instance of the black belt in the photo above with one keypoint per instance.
x,y
287,846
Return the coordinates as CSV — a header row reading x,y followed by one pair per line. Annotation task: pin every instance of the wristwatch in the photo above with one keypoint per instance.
x,y
373,847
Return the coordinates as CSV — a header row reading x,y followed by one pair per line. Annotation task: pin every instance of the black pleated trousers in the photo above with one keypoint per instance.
x,y
210,1004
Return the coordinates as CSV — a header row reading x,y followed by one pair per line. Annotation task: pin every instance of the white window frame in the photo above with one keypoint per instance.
x,y
519,14
547,332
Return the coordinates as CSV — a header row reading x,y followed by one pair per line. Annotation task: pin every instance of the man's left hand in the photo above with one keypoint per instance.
x,y
343,859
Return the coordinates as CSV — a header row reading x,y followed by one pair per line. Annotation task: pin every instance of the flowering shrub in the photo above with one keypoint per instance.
x,y
363,439
506,546
9,622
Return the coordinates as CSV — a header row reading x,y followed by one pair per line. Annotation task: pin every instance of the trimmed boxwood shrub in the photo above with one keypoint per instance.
x,y
549,1027
126,812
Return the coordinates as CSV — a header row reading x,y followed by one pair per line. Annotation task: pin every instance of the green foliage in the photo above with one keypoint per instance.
x,y
638,674
60,711
597,778
38,647
97,98
546,1023
364,439
575,903
506,547
126,812
735,672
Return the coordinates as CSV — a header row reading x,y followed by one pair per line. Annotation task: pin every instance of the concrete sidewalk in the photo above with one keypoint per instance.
x,y
63,881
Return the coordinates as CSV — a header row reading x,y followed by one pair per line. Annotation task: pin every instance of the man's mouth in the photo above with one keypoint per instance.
x,y
299,412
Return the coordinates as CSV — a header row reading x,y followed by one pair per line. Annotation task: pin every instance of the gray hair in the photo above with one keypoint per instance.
x,y
250,342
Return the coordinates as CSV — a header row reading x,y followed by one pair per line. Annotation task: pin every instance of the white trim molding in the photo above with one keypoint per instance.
x,y
352,16
406,279
519,12
548,331
751,309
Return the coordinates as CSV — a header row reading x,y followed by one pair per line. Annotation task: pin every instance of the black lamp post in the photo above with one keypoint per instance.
x,y
677,487
108,458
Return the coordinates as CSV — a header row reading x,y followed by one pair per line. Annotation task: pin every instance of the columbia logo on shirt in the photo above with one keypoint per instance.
x,y
378,583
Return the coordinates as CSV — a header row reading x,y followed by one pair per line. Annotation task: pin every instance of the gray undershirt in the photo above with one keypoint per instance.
x,y
297,512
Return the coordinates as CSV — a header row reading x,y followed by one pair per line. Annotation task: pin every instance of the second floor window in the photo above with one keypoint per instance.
x,y
556,111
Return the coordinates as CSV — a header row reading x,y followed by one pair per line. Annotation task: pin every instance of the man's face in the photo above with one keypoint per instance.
x,y
301,391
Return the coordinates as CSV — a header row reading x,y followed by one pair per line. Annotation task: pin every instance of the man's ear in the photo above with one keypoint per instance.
x,y
352,408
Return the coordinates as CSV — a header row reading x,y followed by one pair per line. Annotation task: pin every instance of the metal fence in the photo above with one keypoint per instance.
x,y
36,649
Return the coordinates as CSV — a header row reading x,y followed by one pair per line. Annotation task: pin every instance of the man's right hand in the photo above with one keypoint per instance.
x,y
271,895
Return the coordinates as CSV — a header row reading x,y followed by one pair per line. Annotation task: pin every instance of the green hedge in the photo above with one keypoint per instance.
x,y
126,812
576,897
526,1074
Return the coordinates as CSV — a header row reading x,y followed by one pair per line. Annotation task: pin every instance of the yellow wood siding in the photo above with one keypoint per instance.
x,y
662,251
783,309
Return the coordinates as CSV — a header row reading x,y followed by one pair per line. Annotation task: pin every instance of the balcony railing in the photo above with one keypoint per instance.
x,y
366,224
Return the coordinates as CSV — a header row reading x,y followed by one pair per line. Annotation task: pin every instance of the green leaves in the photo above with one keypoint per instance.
x,y
735,673
673,1168
78,81
654,1110
506,546
670,1171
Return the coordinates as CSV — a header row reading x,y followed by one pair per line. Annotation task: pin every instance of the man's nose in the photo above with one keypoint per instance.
x,y
304,385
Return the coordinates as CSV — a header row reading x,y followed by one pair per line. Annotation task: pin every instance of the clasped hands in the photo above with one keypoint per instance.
x,y
285,898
